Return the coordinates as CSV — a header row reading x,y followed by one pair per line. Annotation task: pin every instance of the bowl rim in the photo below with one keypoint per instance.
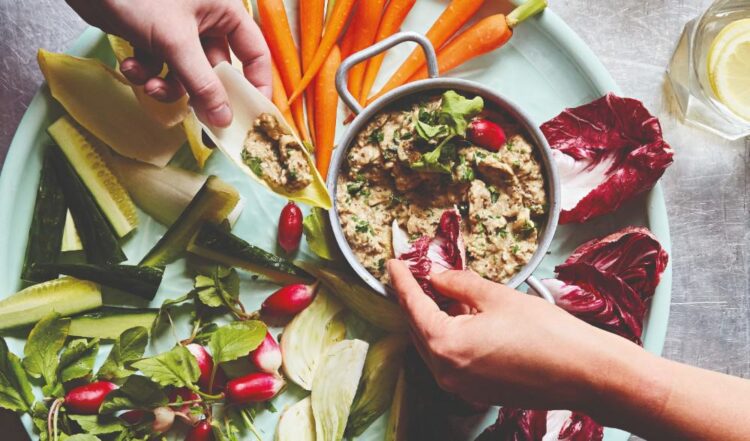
x,y
552,181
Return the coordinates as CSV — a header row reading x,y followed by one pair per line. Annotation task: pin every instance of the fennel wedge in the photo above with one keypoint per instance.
x,y
248,104
297,423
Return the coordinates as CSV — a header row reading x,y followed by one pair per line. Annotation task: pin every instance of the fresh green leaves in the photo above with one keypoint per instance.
x,y
128,347
15,389
319,235
98,424
430,133
77,360
82,437
221,287
138,392
236,339
457,111
177,367
45,341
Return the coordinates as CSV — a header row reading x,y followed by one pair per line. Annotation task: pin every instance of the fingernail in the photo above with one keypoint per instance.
x,y
126,68
157,93
220,116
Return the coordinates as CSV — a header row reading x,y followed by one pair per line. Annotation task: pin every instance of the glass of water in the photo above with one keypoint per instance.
x,y
710,69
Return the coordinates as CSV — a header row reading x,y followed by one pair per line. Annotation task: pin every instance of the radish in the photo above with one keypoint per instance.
x,y
133,416
290,227
289,300
163,419
206,366
487,134
253,388
86,399
200,432
267,356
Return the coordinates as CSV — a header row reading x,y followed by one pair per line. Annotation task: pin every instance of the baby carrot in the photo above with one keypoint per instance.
x,y
367,18
393,17
275,26
453,17
279,97
310,31
326,106
333,29
486,35
347,40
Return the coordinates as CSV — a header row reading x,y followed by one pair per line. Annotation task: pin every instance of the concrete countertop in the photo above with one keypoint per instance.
x,y
706,188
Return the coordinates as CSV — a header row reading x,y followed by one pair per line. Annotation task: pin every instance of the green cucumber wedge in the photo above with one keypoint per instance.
x,y
86,154
142,281
213,203
214,243
99,241
66,296
109,322
46,231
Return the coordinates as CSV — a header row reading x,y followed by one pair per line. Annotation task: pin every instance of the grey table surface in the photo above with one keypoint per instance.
x,y
706,189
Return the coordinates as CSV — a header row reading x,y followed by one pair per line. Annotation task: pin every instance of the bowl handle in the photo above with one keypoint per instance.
x,y
375,49
539,289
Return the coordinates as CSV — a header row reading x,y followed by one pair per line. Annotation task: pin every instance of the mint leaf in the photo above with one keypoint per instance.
x,y
176,367
128,347
15,389
138,392
319,235
77,359
236,339
98,424
45,341
82,437
437,161
430,133
457,111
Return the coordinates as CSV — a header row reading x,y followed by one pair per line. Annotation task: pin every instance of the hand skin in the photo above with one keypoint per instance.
x,y
513,349
190,36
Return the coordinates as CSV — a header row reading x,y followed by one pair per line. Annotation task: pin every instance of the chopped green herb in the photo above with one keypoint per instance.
x,y
381,265
376,137
515,248
254,163
407,135
362,226
516,163
494,193
502,232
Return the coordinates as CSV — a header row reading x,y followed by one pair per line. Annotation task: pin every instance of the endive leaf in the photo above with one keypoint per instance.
x,y
100,100
194,133
247,104
166,114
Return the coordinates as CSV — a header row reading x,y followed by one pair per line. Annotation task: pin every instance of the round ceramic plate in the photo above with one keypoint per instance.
x,y
544,68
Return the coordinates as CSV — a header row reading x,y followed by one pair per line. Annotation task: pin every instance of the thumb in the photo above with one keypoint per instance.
x,y
186,58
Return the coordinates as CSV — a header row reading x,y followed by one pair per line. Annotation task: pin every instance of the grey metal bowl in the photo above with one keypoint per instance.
x,y
432,85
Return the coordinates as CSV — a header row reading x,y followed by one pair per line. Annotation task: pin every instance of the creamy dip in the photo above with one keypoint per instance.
x,y
274,155
501,195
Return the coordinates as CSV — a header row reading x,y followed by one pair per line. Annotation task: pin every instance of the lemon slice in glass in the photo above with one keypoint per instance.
x,y
727,34
729,73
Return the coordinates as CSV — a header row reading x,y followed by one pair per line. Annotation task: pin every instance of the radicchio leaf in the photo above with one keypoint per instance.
x,y
580,427
446,251
633,254
607,152
541,425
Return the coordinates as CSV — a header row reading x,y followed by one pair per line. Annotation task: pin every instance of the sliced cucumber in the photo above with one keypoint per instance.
x,y
47,224
85,153
213,203
142,281
99,241
109,322
71,241
212,242
66,296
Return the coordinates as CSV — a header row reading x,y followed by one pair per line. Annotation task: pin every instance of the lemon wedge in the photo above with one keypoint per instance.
x,y
729,67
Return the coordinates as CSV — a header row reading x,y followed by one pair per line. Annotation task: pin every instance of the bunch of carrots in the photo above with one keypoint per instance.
x,y
304,80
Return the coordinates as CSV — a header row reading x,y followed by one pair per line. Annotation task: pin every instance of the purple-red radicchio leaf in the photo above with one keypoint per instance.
x,y
446,251
633,254
607,152
541,425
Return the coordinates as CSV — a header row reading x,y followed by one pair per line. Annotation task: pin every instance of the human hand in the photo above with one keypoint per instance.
x,y
190,36
508,348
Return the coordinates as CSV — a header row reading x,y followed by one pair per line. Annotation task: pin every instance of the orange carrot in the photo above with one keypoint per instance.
x,y
341,12
486,35
453,17
367,18
279,97
310,30
347,41
326,106
393,17
275,27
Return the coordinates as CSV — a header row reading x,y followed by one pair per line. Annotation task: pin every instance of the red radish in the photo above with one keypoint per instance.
x,y
206,365
133,416
487,134
267,356
289,300
200,432
253,388
290,227
163,419
86,399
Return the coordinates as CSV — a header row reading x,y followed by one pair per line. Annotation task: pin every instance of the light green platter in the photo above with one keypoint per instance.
x,y
544,68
